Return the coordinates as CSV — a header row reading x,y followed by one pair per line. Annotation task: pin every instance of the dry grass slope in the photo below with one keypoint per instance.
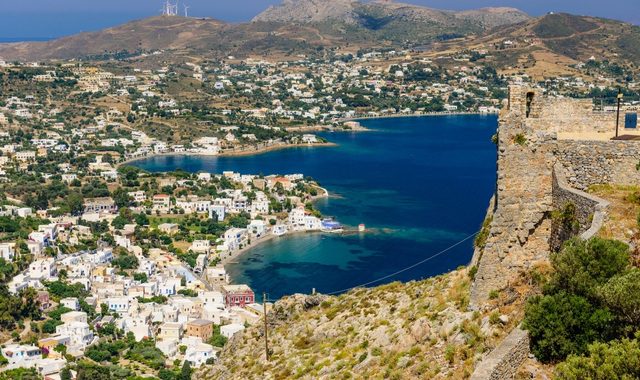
x,y
417,330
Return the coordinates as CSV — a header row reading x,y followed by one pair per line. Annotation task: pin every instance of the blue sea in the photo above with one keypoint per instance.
x,y
419,184
24,39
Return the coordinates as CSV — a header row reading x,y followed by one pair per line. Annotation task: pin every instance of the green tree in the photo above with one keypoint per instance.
x,y
61,348
582,266
121,197
613,360
564,324
20,374
185,372
118,222
141,219
65,374
74,202
622,295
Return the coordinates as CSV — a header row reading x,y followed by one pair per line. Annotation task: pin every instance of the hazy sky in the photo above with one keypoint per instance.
x,y
54,18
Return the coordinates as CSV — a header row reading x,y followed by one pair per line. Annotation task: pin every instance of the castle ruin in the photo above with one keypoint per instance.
x,y
550,150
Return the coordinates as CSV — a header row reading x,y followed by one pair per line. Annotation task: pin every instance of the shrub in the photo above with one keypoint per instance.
x,y
564,324
520,139
614,360
472,272
622,295
565,223
482,236
582,266
450,353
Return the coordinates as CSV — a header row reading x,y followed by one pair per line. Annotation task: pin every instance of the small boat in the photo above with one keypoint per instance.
x,y
330,225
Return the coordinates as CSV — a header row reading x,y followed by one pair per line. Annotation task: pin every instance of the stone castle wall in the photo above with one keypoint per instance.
x,y
537,174
598,162
528,150
590,210
520,227
566,115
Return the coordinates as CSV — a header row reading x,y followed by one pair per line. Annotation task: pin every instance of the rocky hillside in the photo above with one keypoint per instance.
x,y
202,37
296,26
385,12
306,11
387,20
577,37
415,330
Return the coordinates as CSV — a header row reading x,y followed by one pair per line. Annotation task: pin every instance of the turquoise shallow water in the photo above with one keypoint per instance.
x,y
419,184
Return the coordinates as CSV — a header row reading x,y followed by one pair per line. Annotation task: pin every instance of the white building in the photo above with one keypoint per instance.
x,y
8,251
199,353
200,246
79,333
230,330
257,227
43,269
235,238
218,210
20,355
71,303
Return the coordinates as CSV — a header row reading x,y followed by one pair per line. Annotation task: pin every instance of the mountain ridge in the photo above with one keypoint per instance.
x,y
350,11
290,26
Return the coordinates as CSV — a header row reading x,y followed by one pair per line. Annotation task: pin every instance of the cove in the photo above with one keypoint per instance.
x,y
420,184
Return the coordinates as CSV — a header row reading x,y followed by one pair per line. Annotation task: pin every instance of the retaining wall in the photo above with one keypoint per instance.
x,y
503,362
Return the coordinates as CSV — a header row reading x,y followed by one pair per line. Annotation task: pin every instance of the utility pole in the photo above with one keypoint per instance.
x,y
266,338
618,111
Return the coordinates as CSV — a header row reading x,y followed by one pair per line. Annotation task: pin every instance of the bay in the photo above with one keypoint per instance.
x,y
420,184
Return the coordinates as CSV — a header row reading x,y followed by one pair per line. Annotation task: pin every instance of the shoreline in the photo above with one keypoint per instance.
x,y
229,154
236,254
397,115
270,236
250,152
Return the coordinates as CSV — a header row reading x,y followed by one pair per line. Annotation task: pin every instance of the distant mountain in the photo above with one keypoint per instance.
x,y
308,26
388,20
381,13
295,26
576,37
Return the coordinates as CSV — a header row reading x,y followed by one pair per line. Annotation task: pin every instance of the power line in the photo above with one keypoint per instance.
x,y
407,268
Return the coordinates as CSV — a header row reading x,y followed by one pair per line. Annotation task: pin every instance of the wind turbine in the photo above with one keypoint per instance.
x,y
186,10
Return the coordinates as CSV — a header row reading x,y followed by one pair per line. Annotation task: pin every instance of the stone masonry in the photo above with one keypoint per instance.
x,y
520,228
503,362
530,144
540,170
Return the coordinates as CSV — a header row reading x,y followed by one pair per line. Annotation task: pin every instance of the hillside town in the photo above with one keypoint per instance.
x,y
142,265
252,105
